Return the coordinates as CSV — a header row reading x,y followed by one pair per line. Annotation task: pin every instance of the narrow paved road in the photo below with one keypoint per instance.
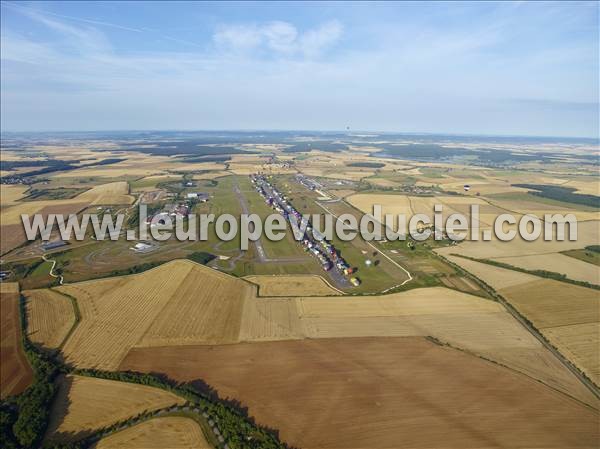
x,y
260,250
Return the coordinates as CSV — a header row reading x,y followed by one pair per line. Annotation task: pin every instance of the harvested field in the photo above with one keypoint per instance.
x,y
114,171
392,389
15,372
566,314
216,310
85,404
292,285
390,204
10,194
579,343
471,323
11,236
50,316
195,166
266,319
382,182
166,306
551,303
111,193
588,187
485,186
173,432
410,205
527,204
12,232
588,233
158,307
12,215
338,173
559,263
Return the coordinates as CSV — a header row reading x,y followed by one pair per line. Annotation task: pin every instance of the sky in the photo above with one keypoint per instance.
x,y
450,67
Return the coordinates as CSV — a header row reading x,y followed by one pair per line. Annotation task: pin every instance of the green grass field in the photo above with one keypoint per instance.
x,y
525,196
584,255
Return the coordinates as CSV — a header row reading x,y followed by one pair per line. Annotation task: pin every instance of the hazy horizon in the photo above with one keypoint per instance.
x,y
348,133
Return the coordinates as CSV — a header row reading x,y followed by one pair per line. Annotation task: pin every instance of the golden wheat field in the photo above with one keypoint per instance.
x,y
166,306
482,185
411,205
15,372
9,194
111,193
9,287
50,316
471,323
539,208
270,319
380,393
210,314
586,186
568,315
382,182
12,215
174,432
161,306
292,285
390,204
132,168
196,166
559,263
84,404
538,254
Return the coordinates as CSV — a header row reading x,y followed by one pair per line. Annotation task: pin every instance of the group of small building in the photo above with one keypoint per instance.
x,y
174,210
307,182
312,241
168,212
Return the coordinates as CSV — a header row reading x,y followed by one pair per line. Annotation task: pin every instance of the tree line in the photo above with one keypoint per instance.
x,y
24,418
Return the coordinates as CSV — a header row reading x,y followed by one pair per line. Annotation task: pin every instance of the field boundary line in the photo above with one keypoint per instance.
x,y
441,342
506,266
528,325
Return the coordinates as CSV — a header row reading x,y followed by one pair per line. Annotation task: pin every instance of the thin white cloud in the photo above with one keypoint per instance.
x,y
278,37
25,9
85,38
313,42
238,37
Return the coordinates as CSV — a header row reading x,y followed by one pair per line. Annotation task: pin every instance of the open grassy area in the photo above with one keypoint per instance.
x,y
60,193
584,255
285,248
506,199
381,274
